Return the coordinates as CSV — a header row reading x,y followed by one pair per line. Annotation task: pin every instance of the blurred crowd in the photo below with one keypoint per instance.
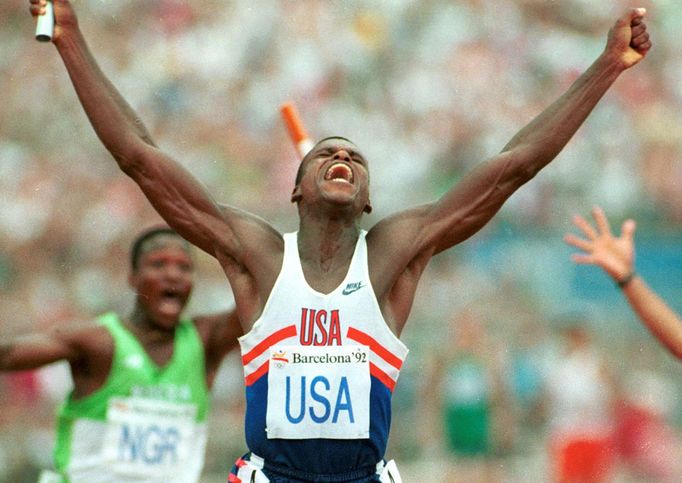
x,y
427,89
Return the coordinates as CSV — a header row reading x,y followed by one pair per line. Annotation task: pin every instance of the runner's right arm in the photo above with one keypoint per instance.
x,y
38,349
176,195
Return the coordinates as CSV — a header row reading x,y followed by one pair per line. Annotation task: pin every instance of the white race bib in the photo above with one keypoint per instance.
x,y
148,438
318,392
48,476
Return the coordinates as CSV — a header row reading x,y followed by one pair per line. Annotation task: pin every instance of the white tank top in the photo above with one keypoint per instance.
x,y
331,360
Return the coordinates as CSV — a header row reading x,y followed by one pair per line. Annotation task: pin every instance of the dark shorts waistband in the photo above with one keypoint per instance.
x,y
361,475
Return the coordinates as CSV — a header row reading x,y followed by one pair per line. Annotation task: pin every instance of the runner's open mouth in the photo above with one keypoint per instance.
x,y
171,294
171,301
339,172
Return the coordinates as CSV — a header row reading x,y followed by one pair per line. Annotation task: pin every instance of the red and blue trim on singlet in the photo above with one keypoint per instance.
x,y
320,456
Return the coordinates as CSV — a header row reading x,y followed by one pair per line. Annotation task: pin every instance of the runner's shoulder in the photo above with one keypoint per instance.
x,y
86,334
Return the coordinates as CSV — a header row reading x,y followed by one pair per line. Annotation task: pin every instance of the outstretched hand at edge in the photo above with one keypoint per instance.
x,y
616,256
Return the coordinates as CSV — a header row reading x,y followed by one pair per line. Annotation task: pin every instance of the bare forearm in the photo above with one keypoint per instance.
x,y
114,121
20,356
656,315
545,136
5,357
11,359
476,199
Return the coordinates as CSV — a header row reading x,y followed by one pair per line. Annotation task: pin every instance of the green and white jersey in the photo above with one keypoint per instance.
x,y
146,423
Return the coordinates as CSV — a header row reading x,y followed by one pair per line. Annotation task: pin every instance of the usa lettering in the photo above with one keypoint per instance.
x,y
151,445
319,327
318,402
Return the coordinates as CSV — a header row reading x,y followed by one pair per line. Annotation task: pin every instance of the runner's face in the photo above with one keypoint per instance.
x,y
336,172
163,281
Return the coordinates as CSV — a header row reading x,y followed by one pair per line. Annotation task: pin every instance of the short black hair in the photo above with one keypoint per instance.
x,y
299,172
138,244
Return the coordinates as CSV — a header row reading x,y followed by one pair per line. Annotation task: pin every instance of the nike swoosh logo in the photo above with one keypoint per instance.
x,y
353,288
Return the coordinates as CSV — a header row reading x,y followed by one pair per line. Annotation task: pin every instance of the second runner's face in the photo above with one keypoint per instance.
x,y
163,282
337,173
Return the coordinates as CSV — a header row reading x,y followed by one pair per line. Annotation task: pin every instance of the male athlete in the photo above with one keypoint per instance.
x,y
138,407
322,308
137,411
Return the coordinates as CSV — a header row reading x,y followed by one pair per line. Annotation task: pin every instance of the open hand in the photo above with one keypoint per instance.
x,y
615,255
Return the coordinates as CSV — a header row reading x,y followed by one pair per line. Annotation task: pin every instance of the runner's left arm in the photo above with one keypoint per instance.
x,y
469,205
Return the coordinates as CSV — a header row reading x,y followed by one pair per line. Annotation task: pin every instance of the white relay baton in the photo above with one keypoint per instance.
x,y
45,25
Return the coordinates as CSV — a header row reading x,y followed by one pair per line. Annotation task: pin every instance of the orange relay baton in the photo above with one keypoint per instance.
x,y
302,141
